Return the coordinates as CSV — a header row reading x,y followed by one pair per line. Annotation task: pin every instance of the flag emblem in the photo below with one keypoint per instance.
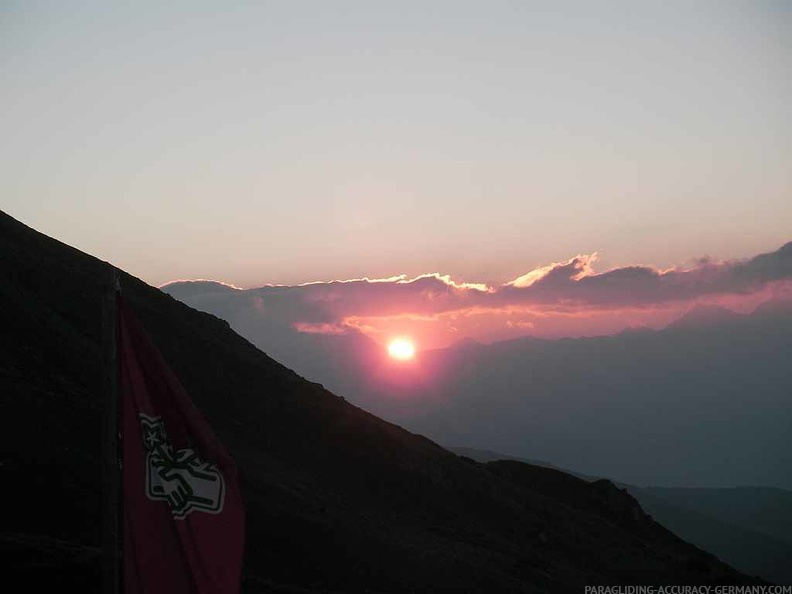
x,y
179,476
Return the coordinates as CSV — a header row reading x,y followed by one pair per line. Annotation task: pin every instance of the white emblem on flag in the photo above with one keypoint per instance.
x,y
179,477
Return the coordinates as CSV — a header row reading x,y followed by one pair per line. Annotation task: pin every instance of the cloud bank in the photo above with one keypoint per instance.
x,y
562,298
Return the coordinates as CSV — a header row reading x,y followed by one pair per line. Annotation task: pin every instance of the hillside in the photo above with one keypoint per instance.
x,y
747,527
337,499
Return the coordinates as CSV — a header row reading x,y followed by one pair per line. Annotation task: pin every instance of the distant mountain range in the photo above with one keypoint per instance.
x,y
336,498
748,527
707,399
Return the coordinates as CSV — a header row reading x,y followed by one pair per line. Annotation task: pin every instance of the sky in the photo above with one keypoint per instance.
x,y
280,143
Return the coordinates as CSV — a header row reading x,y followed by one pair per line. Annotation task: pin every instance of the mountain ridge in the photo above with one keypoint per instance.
x,y
336,498
748,527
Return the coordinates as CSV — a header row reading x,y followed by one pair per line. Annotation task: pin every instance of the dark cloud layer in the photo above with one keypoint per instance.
x,y
567,285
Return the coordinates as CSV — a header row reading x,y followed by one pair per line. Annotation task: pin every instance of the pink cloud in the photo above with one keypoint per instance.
x,y
574,268
561,299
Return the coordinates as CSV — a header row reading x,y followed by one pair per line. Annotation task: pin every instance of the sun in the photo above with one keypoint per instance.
x,y
401,349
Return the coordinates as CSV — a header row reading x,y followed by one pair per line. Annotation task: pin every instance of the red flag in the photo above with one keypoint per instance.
x,y
183,514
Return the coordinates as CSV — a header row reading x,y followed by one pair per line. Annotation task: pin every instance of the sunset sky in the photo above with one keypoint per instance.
x,y
292,142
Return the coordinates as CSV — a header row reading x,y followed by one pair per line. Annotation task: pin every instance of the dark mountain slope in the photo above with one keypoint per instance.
x,y
747,527
701,517
762,509
337,499
749,549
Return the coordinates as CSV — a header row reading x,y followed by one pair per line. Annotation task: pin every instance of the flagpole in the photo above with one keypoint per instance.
x,y
111,476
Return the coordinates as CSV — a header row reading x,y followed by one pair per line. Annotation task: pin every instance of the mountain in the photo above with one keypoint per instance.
x,y
486,456
336,498
748,527
703,316
601,405
677,396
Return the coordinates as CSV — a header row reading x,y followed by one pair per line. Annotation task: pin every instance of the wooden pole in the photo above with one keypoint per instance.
x,y
111,475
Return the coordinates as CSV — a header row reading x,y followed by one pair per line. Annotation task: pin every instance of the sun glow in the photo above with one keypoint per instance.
x,y
401,349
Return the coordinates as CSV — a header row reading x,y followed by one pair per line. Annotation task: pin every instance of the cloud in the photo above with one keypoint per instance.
x,y
567,288
318,328
198,285
575,282
575,268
